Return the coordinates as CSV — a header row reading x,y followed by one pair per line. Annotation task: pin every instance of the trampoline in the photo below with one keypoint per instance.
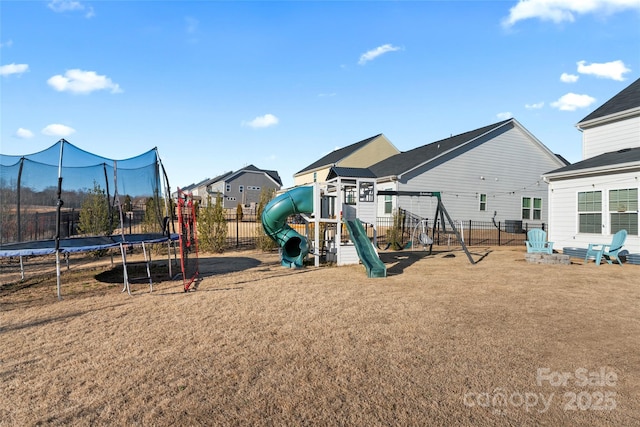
x,y
65,200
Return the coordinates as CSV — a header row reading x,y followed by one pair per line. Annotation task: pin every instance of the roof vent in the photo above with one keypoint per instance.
x,y
624,150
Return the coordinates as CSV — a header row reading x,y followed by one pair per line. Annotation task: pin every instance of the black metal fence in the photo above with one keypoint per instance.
x,y
474,233
242,233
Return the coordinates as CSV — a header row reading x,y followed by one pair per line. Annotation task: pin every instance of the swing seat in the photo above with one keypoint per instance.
x,y
424,239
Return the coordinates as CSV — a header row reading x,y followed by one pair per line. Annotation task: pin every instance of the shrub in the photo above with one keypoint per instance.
x,y
96,217
394,234
264,242
212,226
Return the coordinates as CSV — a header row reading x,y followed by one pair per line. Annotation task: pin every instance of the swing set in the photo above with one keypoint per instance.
x,y
441,213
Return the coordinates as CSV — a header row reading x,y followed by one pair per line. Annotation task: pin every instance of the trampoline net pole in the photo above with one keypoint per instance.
x,y
124,269
59,204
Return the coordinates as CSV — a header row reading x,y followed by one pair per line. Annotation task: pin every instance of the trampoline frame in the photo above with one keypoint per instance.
x,y
88,244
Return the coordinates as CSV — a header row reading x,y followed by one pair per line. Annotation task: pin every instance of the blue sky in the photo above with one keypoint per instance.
x,y
217,85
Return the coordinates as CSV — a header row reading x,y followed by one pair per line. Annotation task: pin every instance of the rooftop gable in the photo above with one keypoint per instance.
x,y
337,155
251,168
627,99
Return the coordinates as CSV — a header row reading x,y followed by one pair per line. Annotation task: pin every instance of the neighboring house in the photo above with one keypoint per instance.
x,y
359,155
488,174
592,199
241,187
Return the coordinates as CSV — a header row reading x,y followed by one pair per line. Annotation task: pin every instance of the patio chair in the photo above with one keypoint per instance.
x,y
607,251
537,242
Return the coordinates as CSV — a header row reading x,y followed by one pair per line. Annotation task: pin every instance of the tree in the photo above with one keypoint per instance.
x,y
96,218
127,205
239,212
151,222
212,226
264,242
394,234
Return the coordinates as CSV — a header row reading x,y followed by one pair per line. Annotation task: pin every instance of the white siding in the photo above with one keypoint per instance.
x,y
611,137
348,255
563,224
505,168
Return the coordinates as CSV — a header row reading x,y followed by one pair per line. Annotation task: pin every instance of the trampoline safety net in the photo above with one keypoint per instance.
x,y
93,195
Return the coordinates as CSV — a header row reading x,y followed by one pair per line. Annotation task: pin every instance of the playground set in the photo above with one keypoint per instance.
x,y
336,216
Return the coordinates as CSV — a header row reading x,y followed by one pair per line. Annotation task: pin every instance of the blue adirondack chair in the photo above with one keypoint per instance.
x,y
598,250
537,242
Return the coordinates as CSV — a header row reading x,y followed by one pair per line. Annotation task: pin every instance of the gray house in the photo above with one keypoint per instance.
x,y
242,187
488,174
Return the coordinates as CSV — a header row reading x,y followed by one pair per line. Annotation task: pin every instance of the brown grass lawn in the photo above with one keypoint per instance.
x,y
437,342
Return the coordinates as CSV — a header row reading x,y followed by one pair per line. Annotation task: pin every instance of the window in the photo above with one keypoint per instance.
x,y
366,191
227,188
590,212
483,202
315,176
241,188
531,208
350,195
623,209
388,203
537,208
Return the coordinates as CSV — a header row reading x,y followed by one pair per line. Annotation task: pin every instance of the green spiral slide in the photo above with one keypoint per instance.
x,y
295,247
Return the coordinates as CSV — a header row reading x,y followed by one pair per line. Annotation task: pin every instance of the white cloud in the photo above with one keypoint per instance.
x,y
8,43
573,101
24,133
7,70
65,5
262,121
58,130
504,115
374,53
61,6
564,10
607,70
535,106
326,95
79,81
569,78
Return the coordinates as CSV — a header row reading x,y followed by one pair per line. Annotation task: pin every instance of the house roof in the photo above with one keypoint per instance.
x,y
217,178
606,160
627,99
251,168
337,171
337,155
409,160
227,175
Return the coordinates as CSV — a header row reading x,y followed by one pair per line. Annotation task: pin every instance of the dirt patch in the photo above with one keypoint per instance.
x,y
437,342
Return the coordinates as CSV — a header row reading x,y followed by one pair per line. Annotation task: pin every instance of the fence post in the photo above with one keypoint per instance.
x,y
469,238
237,232
499,233
404,219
